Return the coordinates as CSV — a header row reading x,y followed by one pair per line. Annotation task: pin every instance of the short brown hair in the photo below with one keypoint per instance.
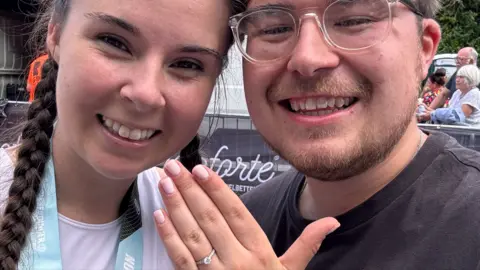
x,y
429,8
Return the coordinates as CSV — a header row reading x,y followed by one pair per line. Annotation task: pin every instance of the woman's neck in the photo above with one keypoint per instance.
x,y
82,193
464,91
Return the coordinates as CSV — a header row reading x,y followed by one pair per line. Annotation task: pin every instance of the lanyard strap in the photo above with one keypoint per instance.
x,y
43,247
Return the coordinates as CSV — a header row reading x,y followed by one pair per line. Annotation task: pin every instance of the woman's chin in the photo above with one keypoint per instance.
x,y
116,171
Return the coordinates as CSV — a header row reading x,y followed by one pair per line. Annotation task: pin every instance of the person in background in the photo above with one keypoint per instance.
x,y
465,56
464,107
35,75
434,86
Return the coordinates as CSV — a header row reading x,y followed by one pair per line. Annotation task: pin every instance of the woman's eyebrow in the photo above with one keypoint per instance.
x,y
200,49
114,21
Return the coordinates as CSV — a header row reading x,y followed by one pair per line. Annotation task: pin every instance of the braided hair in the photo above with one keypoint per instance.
x,y
190,154
30,165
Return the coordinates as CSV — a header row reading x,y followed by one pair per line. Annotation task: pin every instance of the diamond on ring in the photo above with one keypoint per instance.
x,y
207,260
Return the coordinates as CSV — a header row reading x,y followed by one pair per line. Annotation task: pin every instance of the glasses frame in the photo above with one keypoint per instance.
x,y
235,21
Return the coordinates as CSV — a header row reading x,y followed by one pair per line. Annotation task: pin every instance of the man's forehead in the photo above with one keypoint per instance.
x,y
291,3
464,52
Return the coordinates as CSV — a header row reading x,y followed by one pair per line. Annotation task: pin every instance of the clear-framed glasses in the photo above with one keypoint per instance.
x,y
460,59
270,33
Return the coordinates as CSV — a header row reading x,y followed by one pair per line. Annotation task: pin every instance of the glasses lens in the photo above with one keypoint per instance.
x,y
357,24
267,34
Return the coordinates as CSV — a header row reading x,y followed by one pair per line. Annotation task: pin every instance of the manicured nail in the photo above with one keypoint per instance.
x,y
200,172
159,217
167,185
334,228
172,167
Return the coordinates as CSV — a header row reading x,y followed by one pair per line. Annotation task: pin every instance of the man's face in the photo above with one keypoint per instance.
x,y
333,114
464,57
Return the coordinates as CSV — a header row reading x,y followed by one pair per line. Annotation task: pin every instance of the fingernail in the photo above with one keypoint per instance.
x,y
334,228
172,167
167,185
162,173
159,217
200,172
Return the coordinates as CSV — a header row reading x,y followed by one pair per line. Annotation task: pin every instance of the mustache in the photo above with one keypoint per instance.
x,y
330,85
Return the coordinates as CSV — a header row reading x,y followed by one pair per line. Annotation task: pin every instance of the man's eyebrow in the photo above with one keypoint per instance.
x,y
199,49
271,5
112,20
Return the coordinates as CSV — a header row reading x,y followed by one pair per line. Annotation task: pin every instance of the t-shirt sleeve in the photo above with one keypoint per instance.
x,y
472,98
6,177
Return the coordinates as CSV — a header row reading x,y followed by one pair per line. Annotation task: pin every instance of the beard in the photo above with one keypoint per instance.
x,y
373,143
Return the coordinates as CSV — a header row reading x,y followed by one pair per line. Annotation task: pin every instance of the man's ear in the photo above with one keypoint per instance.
x,y
430,39
53,41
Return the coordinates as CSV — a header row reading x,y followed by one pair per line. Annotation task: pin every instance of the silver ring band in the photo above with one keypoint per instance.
x,y
207,260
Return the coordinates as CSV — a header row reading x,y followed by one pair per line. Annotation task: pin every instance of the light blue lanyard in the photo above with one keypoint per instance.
x,y
43,247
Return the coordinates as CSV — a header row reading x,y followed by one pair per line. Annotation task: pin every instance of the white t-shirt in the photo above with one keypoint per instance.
x,y
94,247
471,98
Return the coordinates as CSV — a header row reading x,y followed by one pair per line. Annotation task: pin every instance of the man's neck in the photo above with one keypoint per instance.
x,y
333,198
82,193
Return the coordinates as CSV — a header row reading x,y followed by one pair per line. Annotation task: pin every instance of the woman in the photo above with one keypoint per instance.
x,y
130,83
435,85
464,106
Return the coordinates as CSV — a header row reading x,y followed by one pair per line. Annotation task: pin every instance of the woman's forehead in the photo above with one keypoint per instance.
x,y
183,20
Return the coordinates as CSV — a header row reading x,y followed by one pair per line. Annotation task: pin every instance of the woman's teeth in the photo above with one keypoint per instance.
x,y
320,106
126,132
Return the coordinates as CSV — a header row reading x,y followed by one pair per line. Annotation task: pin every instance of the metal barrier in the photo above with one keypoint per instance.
x,y
466,136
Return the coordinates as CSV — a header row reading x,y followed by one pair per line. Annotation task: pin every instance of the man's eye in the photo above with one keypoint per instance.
x,y
114,42
354,22
186,64
277,30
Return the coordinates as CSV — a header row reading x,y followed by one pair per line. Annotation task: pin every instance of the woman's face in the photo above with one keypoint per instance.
x,y
462,83
135,78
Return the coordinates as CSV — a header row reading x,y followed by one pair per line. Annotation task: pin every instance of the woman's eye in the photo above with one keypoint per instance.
x,y
186,64
114,42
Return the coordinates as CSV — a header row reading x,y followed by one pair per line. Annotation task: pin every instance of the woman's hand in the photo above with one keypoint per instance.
x,y
205,215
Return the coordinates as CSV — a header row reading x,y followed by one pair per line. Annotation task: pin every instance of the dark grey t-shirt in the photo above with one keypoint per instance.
x,y
428,218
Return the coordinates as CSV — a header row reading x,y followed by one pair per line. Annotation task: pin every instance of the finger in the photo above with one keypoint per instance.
x,y
161,173
204,211
182,219
176,249
306,246
239,219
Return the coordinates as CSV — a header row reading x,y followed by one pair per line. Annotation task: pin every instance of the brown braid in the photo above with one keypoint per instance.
x,y
190,155
32,157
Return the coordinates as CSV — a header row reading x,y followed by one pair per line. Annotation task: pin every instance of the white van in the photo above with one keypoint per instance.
x,y
446,61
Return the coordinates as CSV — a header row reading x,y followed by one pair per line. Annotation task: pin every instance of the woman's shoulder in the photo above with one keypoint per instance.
x,y
472,95
150,176
147,182
7,161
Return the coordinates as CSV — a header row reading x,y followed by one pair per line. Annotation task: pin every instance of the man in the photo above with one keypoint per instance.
x,y
465,56
337,101
35,75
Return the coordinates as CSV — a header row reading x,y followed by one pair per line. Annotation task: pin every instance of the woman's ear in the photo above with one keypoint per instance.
x,y
53,40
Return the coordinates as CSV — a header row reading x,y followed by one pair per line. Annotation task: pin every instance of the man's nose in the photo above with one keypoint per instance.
x,y
312,52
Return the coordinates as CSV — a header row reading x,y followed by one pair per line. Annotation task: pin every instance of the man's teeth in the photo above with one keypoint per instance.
x,y
310,104
126,132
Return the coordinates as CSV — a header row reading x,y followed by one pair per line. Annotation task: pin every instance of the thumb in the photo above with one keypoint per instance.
x,y
306,246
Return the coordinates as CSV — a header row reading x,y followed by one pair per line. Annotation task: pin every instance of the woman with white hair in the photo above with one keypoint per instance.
x,y
464,108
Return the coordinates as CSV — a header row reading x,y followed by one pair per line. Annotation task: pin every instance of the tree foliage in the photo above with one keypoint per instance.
x,y
460,22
